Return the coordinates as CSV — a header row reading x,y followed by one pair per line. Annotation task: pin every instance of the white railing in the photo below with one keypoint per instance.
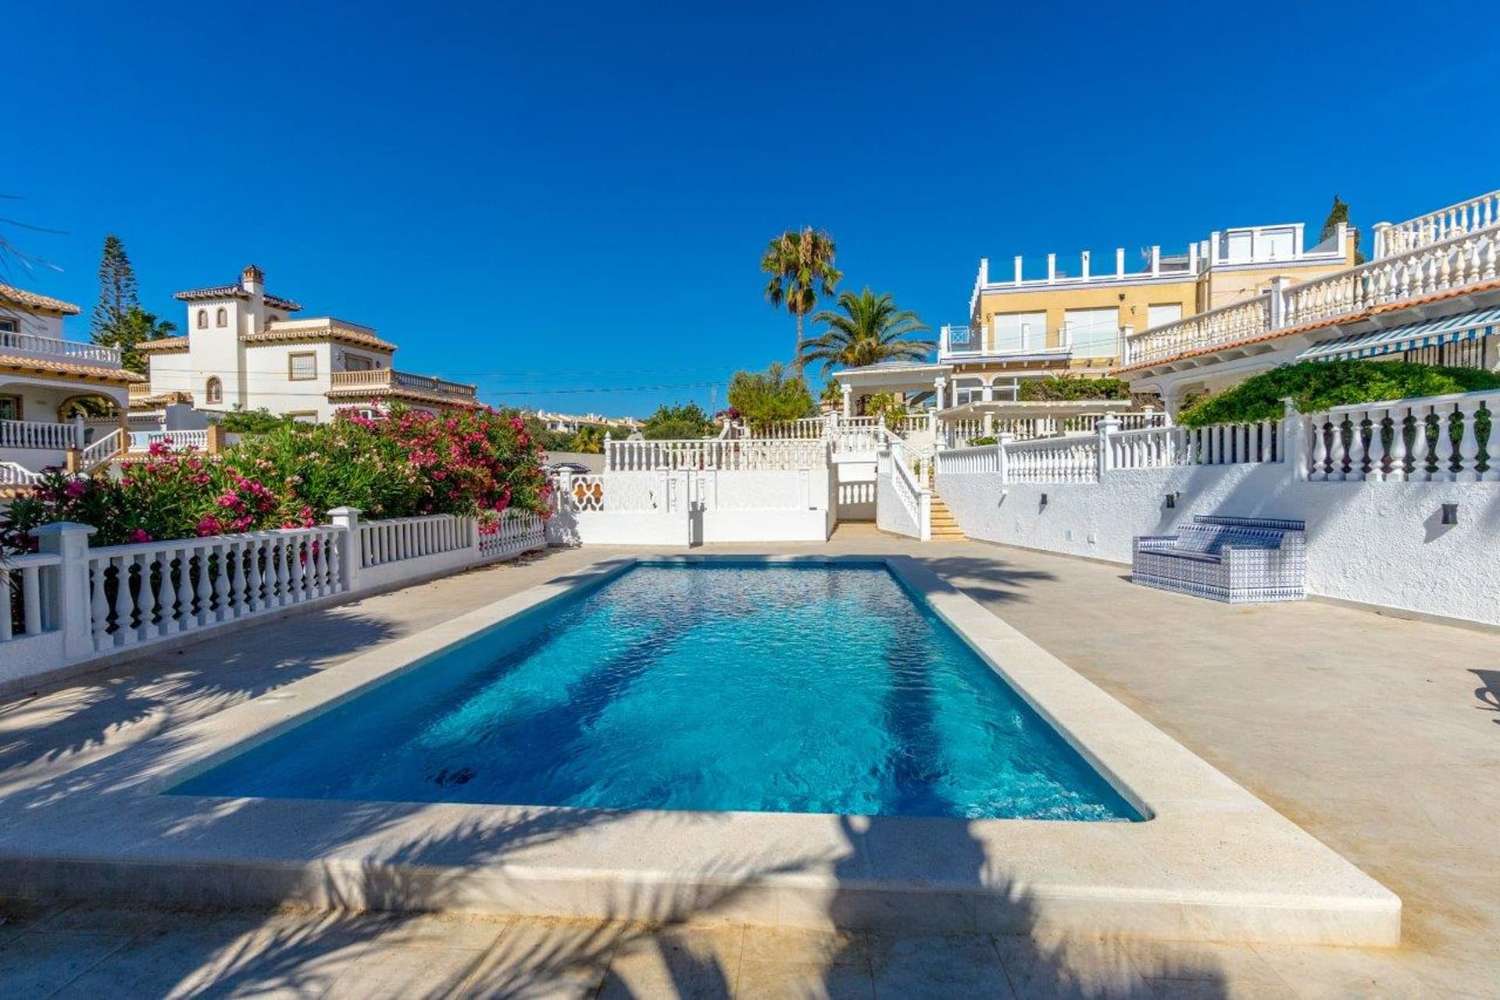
x,y
12,474
1219,444
1431,269
739,453
1435,439
855,493
39,435
1053,460
857,440
96,601
1435,227
807,428
390,378
140,593
1226,324
27,586
983,458
170,440
52,347
1427,270
518,531
958,433
404,538
104,449
914,498
909,424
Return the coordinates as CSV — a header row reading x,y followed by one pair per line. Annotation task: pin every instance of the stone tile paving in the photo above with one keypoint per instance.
x,y
1377,735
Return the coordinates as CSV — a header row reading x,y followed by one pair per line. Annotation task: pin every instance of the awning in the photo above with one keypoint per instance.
x,y
1429,333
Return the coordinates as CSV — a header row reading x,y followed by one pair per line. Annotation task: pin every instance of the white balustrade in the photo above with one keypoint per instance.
x,y
1434,439
982,458
12,474
716,453
104,448
914,498
1435,227
855,493
1226,324
1053,460
402,538
153,590
26,595
12,341
36,434
517,531
170,440
807,428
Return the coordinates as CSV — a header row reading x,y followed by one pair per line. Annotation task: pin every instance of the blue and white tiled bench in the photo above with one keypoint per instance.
x,y
1233,559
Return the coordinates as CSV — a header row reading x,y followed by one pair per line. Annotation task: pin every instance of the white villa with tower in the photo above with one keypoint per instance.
x,y
245,349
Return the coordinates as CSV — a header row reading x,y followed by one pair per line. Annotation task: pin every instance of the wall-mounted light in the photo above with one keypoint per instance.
x,y
1044,499
1172,500
1450,513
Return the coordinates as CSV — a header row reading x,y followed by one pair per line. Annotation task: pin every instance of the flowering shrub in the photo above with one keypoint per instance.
x,y
402,464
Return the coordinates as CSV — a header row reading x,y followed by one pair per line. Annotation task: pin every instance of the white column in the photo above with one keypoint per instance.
x,y
1018,270
1109,425
937,386
1279,286
78,441
1119,262
72,614
1051,268
1382,238
1083,260
1156,260
1002,443
347,518
848,391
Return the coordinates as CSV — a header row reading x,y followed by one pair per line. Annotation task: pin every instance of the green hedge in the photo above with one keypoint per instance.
x,y
1064,387
1315,386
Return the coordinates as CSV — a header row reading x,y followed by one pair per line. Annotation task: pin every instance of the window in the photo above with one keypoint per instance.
x,y
221,318
213,392
1093,333
8,325
357,363
967,390
10,407
1020,332
302,367
1170,312
203,319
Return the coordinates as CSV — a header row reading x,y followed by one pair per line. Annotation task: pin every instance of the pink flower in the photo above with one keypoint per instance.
x,y
75,489
209,525
139,535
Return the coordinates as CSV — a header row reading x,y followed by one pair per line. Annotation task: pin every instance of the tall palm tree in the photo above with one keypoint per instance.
x,y
870,329
801,268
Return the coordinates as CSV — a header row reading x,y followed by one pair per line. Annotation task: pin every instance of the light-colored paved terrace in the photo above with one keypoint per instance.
x,y
1379,736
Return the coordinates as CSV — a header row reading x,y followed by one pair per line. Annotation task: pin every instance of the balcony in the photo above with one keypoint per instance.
x,y
1465,217
384,381
52,349
962,343
1466,258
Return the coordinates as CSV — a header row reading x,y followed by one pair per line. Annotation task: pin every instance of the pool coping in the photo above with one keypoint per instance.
x,y
1212,862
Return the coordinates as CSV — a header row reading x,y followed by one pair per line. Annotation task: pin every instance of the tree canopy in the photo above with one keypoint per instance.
x,y
683,421
764,398
801,268
870,329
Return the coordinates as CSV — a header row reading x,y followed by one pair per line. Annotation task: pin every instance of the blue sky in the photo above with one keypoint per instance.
x,y
566,203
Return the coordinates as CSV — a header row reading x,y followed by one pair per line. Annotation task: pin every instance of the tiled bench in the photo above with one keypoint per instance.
x,y
1234,559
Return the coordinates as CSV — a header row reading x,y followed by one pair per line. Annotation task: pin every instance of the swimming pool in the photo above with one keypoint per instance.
x,y
763,687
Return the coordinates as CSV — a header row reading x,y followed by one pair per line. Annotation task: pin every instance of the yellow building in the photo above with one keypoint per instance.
x,y
1075,322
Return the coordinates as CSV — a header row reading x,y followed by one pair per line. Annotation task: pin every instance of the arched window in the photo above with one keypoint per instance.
x,y
214,391
222,319
203,319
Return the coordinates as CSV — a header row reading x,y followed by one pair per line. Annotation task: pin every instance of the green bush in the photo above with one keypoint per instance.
x,y
261,421
976,442
768,397
1065,387
1315,386
686,421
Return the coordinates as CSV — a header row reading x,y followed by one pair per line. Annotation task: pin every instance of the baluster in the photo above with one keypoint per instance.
x,y
257,597
1338,449
99,605
295,571
184,601
164,593
1468,444
1399,452
124,601
1379,450
1319,450
1433,467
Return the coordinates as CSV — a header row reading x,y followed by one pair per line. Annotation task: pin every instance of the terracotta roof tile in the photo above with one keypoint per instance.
x,y
164,344
303,331
233,292
48,365
12,295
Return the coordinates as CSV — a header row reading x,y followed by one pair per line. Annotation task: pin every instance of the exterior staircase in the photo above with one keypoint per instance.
x,y
944,525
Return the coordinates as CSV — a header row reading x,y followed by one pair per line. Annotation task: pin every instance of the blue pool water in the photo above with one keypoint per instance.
x,y
784,688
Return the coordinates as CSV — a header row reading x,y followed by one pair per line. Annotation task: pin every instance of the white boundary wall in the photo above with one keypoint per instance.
x,y
80,605
1380,543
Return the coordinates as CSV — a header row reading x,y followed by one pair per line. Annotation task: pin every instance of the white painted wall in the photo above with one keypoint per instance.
x,y
890,514
1377,543
854,486
267,383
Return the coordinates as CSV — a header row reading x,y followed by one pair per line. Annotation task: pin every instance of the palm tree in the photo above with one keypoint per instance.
x,y
871,329
801,268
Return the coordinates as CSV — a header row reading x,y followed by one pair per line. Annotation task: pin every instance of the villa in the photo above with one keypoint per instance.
x,y
44,378
245,350
571,422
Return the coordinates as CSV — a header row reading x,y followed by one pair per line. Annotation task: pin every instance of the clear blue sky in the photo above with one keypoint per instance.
x,y
544,198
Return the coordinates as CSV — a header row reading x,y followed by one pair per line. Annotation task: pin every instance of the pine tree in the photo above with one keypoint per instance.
x,y
1340,213
117,289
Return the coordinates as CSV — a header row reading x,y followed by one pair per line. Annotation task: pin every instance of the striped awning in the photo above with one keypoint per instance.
x,y
1428,333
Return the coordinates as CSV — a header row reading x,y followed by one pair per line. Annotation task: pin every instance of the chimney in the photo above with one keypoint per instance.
x,y
253,280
